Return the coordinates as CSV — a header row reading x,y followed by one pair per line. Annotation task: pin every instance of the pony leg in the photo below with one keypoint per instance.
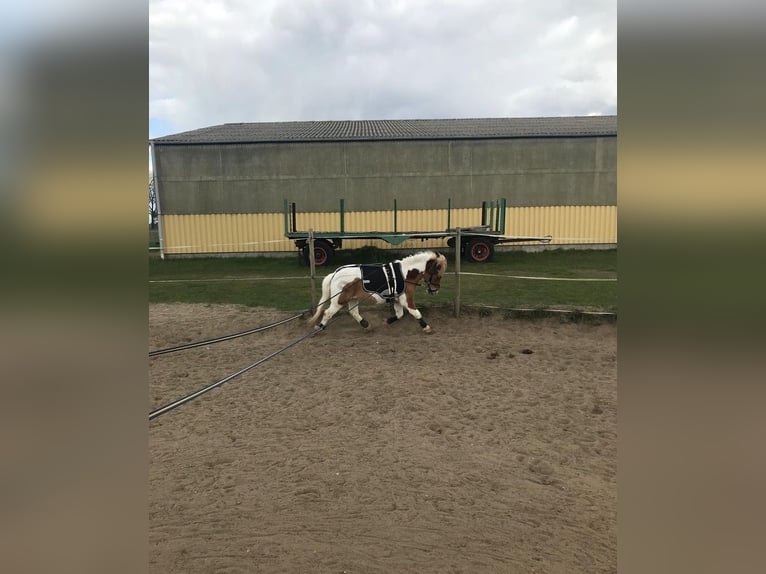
x,y
419,316
353,309
328,314
409,304
325,298
398,312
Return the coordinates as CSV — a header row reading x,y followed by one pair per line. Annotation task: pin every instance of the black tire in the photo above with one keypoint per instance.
x,y
324,253
479,249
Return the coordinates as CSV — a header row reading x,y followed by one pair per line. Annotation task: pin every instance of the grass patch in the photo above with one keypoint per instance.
x,y
253,281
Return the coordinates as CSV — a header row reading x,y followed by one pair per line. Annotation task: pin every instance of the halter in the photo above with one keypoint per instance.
x,y
431,286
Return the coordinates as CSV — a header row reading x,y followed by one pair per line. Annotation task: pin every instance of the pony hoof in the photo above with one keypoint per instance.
x,y
364,323
427,330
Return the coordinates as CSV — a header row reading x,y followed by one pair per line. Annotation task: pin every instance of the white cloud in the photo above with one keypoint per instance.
x,y
238,61
561,31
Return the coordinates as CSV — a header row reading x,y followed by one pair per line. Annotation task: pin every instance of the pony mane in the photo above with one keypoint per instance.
x,y
420,259
419,256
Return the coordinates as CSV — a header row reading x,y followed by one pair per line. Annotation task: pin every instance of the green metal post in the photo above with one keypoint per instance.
x,y
449,210
286,218
491,212
501,213
342,216
394,216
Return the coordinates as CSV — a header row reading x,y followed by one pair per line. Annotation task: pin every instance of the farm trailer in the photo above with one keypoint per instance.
x,y
476,243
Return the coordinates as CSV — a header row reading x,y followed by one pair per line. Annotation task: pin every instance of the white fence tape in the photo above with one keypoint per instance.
x,y
541,278
226,279
450,272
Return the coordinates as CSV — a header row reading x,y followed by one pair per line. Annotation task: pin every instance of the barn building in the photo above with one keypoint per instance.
x,y
223,189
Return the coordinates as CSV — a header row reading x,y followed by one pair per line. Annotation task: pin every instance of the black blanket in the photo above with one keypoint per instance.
x,y
383,279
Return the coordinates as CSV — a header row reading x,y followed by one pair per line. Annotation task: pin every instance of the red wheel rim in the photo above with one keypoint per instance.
x,y
479,252
320,256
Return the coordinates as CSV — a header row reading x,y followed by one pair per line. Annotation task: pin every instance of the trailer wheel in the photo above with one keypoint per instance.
x,y
479,249
323,253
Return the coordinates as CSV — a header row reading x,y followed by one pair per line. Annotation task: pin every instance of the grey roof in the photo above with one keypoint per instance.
x,y
361,130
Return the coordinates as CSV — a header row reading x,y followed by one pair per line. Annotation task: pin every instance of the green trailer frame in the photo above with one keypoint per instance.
x,y
477,243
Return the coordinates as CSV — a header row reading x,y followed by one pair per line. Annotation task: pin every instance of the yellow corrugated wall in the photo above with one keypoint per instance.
x,y
225,233
264,232
567,224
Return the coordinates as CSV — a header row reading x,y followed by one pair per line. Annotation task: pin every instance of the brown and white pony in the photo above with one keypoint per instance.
x,y
346,286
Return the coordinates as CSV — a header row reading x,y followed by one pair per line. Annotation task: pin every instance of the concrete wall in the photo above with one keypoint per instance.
x,y
257,178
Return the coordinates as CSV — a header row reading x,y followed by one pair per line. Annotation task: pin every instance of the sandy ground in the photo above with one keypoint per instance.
x,y
488,446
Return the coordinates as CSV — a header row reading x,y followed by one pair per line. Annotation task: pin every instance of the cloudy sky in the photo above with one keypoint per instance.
x,y
219,61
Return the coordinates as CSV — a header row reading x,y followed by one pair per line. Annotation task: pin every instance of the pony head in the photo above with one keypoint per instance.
x,y
435,269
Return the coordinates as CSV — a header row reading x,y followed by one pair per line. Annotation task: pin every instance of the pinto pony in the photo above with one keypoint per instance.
x,y
391,282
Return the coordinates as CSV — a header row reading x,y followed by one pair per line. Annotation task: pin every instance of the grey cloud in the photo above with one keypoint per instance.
x,y
350,59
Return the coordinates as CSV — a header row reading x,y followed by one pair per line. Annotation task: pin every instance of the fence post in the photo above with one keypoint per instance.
x,y
457,272
312,265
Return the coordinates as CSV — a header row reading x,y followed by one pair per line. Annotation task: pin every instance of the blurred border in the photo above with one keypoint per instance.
x,y
73,234
692,200
73,174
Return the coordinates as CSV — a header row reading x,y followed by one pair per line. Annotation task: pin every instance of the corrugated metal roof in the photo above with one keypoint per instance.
x,y
361,130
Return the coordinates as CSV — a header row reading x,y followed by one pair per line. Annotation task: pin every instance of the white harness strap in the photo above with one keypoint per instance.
x,y
391,278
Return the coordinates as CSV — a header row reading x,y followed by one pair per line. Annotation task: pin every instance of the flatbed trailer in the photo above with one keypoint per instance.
x,y
476,243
